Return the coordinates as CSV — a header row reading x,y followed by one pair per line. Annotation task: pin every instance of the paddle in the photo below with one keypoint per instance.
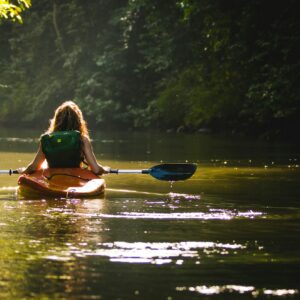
x,y
168,172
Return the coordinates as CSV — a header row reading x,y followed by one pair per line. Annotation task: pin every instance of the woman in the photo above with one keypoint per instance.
x,y
66,143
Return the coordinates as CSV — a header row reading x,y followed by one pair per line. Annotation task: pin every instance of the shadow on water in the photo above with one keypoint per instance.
x,y
229,232
150,146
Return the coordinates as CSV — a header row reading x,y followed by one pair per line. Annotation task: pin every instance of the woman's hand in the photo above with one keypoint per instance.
x,y
21,170
106,169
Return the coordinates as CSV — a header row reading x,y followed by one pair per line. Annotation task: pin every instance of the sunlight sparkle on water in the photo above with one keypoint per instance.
x,y
59,258
218,289
184,196
144,252
213,214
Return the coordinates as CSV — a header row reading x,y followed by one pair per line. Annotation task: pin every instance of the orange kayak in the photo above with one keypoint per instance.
x,y
61,182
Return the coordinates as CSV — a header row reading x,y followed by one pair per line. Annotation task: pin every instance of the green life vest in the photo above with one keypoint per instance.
x,y
62,149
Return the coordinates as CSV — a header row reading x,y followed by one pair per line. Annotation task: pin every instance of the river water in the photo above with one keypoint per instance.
x,y
230,232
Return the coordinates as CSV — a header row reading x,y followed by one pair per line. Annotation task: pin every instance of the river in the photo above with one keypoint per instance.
x,y
230,232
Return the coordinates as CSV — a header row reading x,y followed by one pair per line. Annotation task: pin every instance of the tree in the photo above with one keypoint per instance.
x,y
9,10
187,64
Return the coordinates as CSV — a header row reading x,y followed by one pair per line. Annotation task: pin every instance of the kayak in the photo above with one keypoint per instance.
x,y
61,182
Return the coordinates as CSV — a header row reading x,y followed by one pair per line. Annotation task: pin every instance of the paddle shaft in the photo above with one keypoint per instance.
x,y
114,171
129,171
9,172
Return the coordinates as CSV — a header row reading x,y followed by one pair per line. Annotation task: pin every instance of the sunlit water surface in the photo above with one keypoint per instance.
x,y
230,232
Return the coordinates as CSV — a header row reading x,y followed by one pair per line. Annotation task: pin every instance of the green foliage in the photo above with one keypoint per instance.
x,y
185,64
9,10
194,101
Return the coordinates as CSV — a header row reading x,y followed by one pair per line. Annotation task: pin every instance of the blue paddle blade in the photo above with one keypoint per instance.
x,y
173,172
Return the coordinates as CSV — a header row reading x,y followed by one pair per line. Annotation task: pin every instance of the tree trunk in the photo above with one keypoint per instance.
x,y
56,28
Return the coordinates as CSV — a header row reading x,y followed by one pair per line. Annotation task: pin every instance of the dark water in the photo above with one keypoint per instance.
x,y
230,232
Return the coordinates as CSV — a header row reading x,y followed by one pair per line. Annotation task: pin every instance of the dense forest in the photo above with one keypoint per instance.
x,y
181,65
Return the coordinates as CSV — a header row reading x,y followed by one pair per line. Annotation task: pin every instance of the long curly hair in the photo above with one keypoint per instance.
x,y
68,116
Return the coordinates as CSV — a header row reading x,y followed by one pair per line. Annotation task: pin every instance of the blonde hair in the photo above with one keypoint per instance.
x,y
68,116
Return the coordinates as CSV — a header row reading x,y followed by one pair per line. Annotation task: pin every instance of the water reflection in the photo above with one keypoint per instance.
x,y
141,252
8,192
19,140
238,289
213,214
29,229
229,232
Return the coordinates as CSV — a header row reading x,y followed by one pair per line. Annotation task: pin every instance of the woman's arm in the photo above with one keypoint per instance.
x,y
36,163
91,158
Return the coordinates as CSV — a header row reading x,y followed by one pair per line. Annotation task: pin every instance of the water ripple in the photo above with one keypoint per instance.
x,y
213,214
146,252
18,139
